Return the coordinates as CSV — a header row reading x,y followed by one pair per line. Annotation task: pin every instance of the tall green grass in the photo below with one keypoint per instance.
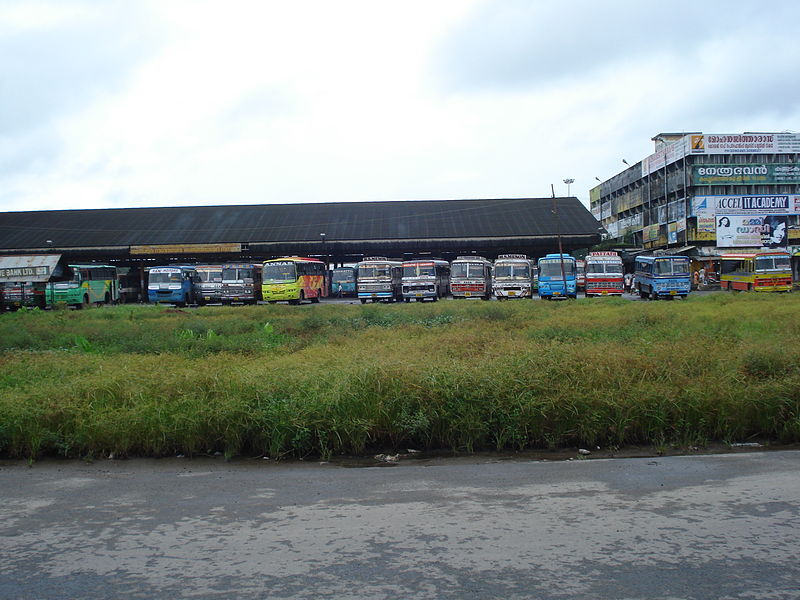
x,y
287,381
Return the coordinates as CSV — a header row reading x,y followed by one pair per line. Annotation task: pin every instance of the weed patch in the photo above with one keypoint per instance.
x,y
323,380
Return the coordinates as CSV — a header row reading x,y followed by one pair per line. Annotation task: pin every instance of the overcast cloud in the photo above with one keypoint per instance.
x,y
118,104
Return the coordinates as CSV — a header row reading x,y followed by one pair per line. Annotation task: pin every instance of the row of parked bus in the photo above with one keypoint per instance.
x,y
379,279
510,276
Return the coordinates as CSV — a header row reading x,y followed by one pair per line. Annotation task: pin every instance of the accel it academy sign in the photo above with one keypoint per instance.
x,y
778,204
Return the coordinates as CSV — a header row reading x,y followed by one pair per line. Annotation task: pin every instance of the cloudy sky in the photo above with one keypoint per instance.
x,y
154,103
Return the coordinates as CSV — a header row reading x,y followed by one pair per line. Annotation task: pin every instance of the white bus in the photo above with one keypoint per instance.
x,y
471,277
425,278
379,278
512,276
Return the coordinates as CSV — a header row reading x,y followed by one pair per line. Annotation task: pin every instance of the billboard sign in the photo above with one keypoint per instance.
x,y
779,204
745,174
744,143
721,143
742,231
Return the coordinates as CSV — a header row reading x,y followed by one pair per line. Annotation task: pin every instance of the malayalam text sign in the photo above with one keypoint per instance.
x,y
754,231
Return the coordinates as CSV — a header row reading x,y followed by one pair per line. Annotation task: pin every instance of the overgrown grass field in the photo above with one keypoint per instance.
x,y
322,380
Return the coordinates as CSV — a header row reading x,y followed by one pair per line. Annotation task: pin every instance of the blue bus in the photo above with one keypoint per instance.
x,y
554,284
174,284
343,281
662,276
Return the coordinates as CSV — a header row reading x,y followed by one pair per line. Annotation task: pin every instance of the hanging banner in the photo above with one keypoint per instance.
x,y
186,248
650,233
706,224
672,233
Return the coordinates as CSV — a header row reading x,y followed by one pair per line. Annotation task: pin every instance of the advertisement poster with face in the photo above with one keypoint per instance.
x,y
738,231
774,232
751,231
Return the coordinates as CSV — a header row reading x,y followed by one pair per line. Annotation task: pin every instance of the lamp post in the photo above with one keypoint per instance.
x,y
50,282
569,182
326,279
558,235
324,249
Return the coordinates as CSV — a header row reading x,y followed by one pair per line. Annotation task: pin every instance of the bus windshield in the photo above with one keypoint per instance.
x,y
772,263
552,268
512,271
283,271
173,277
467,270
419,271
671,266
374,271
611,268
234,274
344,276
209,275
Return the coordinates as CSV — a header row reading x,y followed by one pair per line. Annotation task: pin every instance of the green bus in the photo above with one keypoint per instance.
x,y
82,285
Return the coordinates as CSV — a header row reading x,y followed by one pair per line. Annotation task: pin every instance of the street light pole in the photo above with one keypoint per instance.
x,y
569,182
558,235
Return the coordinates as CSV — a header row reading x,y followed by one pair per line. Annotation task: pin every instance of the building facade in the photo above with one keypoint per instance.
x,y
707,194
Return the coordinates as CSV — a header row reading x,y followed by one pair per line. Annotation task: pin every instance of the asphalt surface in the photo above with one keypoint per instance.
x,y
694,527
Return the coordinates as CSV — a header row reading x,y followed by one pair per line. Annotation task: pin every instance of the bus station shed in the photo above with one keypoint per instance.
x,y
337,231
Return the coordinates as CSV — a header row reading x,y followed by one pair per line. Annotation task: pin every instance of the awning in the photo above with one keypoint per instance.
x,y
682,250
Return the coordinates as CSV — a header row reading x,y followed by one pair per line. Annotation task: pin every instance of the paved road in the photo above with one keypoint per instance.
x,y
723,526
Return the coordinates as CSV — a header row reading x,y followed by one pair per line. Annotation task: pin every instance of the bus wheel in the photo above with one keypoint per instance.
x,y
315,299
363,300
84,303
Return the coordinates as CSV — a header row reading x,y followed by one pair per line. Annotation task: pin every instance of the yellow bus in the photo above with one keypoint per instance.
x,y
767,271
293,278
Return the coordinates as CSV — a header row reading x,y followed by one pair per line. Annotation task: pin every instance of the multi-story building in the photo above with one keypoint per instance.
x,y
707,194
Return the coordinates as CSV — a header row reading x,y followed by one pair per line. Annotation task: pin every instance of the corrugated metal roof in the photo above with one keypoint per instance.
x,y
28,267
423,219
